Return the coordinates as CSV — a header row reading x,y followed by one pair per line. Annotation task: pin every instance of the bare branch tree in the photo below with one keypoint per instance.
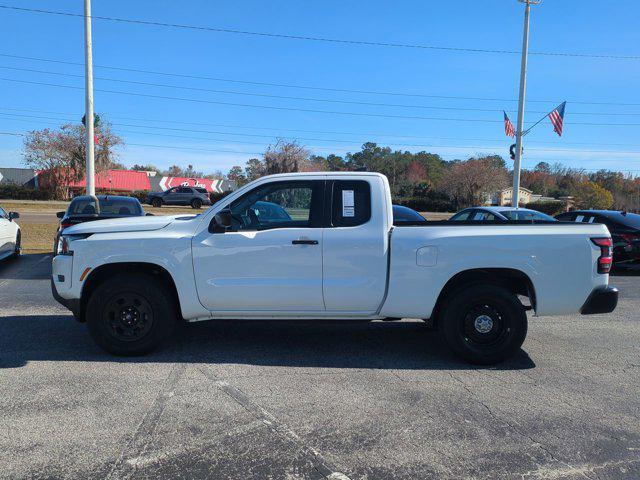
x,y
59,154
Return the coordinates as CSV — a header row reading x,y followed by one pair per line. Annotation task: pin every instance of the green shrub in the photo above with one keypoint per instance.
x,y
550,208
20,192
426,204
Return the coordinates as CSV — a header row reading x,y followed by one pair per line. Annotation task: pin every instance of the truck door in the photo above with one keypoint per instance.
x,y
355,246
271,258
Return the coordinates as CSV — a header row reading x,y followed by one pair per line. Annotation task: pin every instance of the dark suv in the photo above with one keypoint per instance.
x,y
194,196
624,228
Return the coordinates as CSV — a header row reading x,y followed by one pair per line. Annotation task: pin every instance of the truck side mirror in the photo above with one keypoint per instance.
x,y
13,215
59,214
221,222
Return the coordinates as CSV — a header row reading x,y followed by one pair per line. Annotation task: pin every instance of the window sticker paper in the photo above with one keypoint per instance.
x,y
348,204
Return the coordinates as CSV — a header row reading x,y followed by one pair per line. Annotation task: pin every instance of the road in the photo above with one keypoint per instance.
x,y
309,401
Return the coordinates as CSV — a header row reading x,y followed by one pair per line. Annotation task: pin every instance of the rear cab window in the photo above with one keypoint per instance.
x,y
105,206
350,203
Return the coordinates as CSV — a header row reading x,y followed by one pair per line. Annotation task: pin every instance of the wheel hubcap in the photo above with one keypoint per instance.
x,y
483,324
128,317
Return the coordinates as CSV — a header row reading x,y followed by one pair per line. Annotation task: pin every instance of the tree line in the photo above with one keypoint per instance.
x,y
421,180
427,182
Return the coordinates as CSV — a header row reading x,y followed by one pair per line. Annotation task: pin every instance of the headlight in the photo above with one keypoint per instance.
x,y
64,243
63,246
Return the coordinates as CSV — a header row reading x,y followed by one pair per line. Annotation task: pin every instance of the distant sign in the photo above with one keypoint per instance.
x,y
213,185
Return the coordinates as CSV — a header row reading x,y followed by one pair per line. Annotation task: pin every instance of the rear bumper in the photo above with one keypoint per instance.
x,y
601,300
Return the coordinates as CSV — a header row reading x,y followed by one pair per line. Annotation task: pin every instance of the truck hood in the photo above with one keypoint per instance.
x,y
129,224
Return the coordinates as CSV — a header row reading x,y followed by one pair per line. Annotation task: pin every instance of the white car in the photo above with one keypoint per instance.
x,y
10,236
335,255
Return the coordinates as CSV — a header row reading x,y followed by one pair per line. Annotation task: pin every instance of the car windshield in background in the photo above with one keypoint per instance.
x,y
526,215
406,214
107,206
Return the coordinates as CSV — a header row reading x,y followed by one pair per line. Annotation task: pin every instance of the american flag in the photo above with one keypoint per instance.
x,y
509,130
557,118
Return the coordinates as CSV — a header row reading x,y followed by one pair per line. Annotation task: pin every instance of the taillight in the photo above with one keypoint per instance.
x,y
605,260
64,225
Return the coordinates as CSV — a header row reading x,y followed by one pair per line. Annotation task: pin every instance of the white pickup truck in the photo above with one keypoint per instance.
x,y
323,246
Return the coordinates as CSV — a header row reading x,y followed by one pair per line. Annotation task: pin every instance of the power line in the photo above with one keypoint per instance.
x,y
320,39
181,147
310,87
278,135
311,99
316,147
293,109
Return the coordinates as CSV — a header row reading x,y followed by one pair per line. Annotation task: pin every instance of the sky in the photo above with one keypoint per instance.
x,y
215,98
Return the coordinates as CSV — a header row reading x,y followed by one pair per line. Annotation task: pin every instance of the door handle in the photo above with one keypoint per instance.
x,y
304,242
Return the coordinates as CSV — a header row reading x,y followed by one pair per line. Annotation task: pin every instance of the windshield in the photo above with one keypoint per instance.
x,y
526,215
108,206
406,214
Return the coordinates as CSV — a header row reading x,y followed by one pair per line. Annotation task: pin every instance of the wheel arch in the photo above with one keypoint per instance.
x,y
98,275
512,279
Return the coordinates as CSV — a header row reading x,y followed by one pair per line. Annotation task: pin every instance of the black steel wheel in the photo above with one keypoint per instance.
x,y
130,314
483,324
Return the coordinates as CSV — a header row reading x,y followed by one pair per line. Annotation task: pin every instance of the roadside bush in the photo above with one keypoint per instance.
x,y
432,202
550,208
141,195
218,196
20,192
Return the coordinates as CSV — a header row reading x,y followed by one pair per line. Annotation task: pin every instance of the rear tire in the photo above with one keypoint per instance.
x,y
156,202
130,314
483,324
196,203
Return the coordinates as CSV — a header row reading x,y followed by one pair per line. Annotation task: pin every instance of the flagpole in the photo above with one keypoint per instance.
x,y
88,114
515,197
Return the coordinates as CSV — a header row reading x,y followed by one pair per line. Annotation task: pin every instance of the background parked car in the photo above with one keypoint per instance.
x,y
405,214
86,208
624,228
500,214
194,196
10,237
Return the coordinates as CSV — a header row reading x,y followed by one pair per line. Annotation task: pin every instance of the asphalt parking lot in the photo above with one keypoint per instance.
x,y
310,401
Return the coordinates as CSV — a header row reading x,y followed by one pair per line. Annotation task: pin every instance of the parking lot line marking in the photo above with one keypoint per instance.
x,y
323,467
137,444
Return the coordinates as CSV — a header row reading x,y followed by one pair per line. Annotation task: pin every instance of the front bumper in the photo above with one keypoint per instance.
x,y
72,304
61,283
601,300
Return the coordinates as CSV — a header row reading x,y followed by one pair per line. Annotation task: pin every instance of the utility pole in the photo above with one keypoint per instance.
x,y
88,114
523,91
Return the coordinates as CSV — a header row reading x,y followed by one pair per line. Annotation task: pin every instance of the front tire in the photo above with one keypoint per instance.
x,y
483,324
196,203
18,248
156,202
130,314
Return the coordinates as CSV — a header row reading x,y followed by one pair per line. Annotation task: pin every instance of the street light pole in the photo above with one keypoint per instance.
x,y
515,197
88,86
